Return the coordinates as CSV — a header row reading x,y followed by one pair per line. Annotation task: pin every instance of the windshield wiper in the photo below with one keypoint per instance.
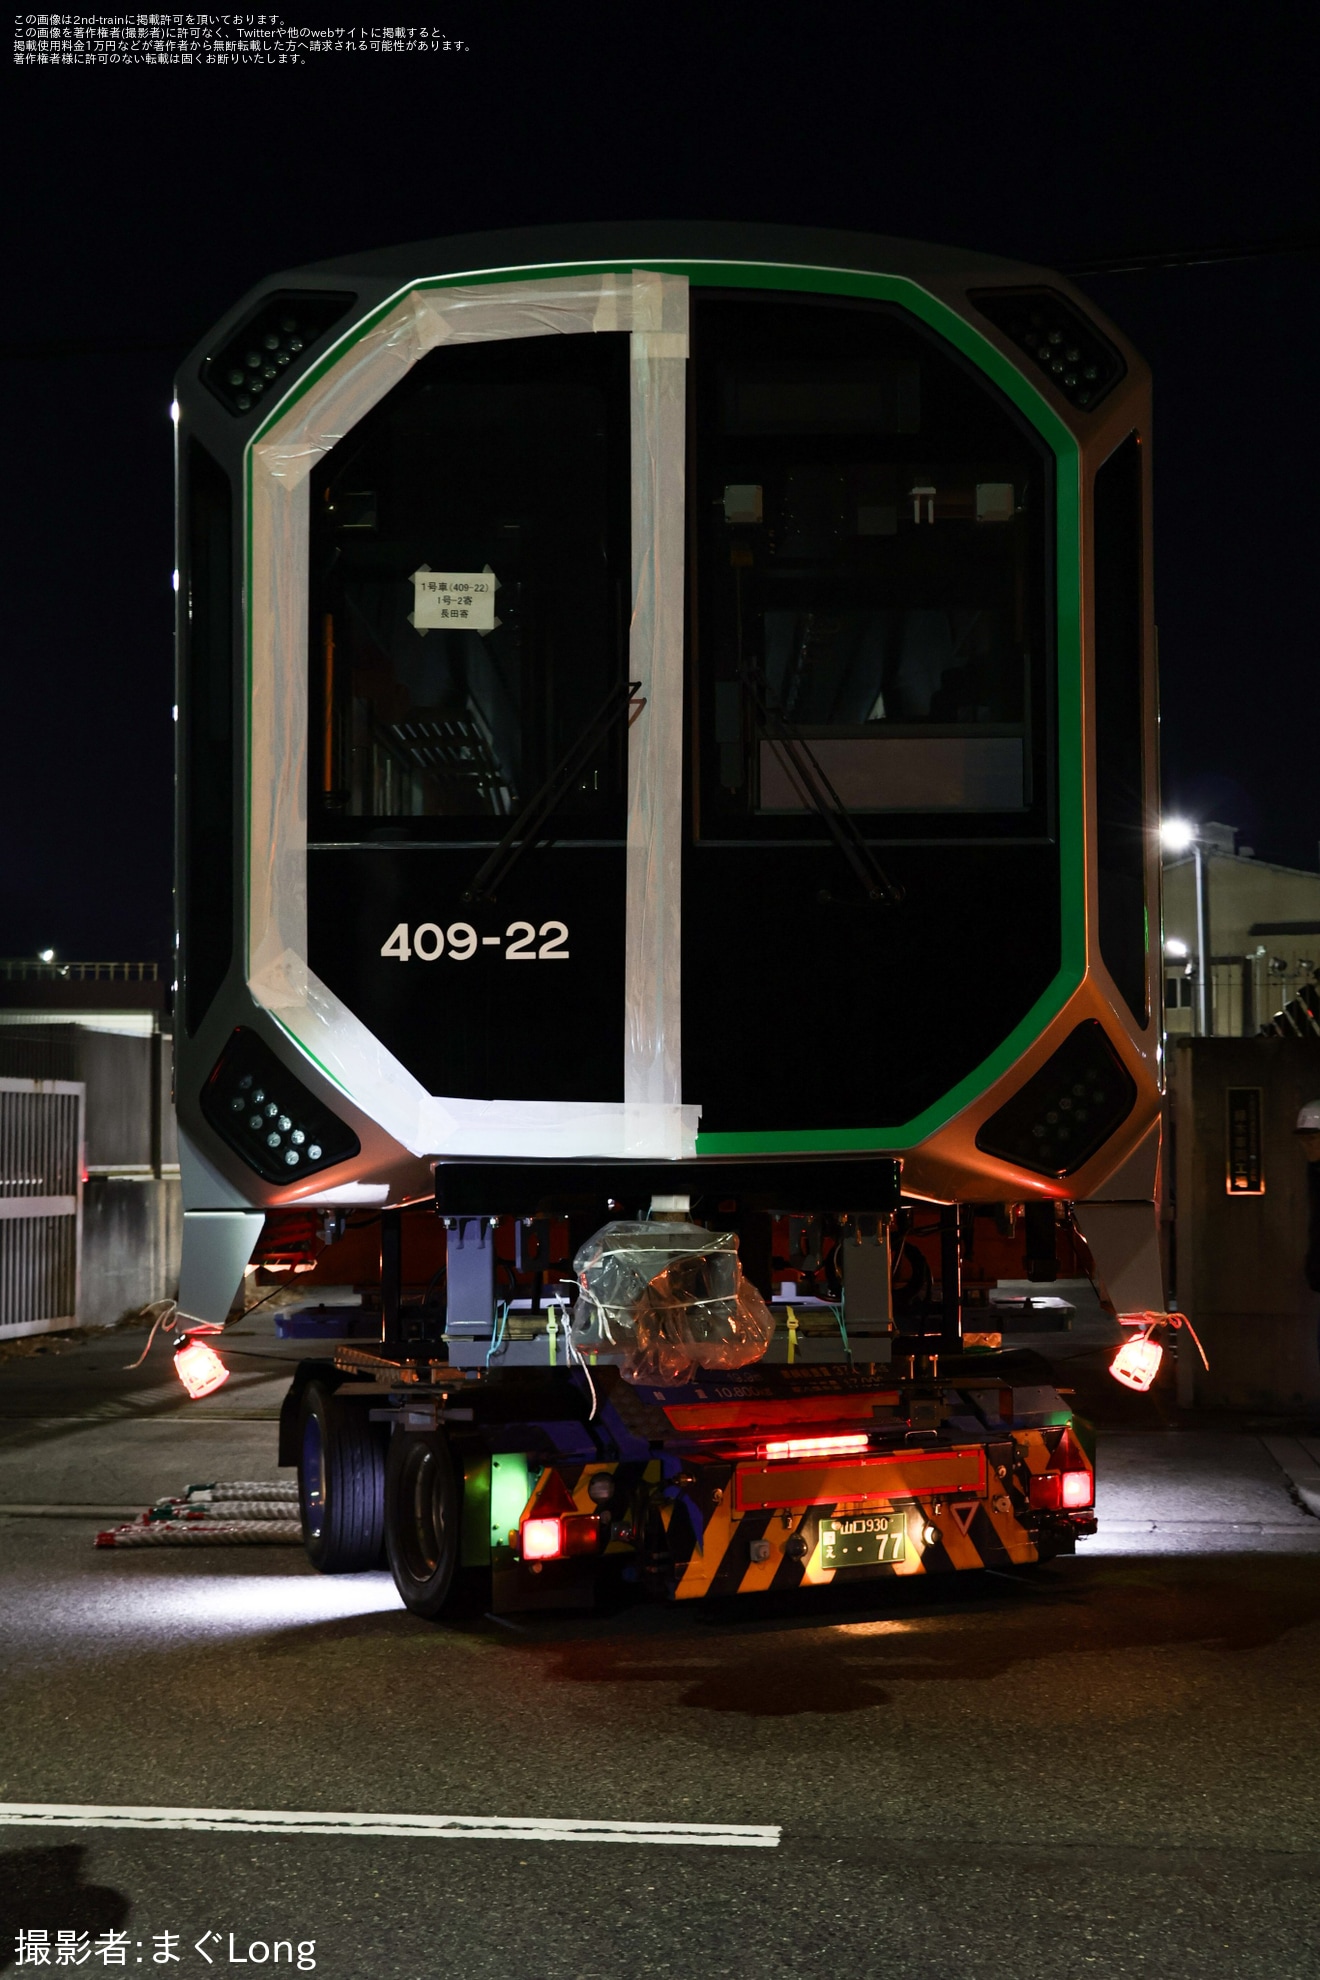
x,y
805,771
529,826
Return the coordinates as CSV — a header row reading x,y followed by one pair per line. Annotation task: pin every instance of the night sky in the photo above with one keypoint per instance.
x,y
142,205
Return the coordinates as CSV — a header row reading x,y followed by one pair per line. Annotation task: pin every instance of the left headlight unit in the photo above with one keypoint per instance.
x,y
267,1116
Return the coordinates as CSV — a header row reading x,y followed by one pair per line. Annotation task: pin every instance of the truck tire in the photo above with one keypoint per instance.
x,y
423,1512
341,1483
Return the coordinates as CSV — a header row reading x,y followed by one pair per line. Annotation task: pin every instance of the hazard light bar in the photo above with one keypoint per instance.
x,y
846,1444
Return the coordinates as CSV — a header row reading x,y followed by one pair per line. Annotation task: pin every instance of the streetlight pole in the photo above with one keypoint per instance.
x,y
1179,835
1205,1004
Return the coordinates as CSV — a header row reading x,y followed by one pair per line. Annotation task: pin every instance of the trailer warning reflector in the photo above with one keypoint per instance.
x,y
426,1828
904,1473
851,1441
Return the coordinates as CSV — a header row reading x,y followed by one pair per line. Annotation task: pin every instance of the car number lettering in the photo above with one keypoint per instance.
x,y
428,942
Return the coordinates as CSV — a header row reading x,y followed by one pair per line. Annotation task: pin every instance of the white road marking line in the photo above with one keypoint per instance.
x,y
439,1828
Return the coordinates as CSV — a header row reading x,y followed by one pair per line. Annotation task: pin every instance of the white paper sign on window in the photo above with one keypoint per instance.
x,y
454,601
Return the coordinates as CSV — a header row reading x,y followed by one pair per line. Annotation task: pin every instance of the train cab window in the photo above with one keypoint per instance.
x,y
469,595
871,525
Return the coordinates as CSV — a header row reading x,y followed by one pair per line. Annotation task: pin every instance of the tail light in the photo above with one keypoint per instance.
x,y
199,1368
818,1447
1062,1491
541,1540
555,1539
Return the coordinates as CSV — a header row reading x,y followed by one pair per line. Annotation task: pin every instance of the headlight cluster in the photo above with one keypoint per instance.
x,y
255,1104
272,341
1082,364
1067,1110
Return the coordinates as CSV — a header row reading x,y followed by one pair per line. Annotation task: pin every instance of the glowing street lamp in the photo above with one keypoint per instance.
x,y
1177,835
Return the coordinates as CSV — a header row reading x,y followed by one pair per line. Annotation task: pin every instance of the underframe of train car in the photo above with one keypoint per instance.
x,y
459,1433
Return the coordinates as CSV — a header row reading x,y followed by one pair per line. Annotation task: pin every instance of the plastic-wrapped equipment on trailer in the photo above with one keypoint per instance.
x,y
668,1299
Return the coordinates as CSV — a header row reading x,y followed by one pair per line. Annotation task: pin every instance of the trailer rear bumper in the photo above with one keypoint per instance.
x,y
711,1523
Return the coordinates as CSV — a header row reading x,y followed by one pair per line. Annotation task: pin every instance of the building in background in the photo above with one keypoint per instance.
x,y
107,1025
1264,935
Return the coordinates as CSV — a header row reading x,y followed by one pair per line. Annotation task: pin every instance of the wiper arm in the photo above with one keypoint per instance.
x,y
530,826
805,771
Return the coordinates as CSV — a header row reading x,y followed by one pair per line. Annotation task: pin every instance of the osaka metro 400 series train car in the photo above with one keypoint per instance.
x,y
667,867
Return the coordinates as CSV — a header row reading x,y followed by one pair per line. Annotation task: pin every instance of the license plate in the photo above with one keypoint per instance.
x,y
864,1540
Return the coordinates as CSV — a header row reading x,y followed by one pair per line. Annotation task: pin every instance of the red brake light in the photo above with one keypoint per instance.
x,y
1058,1491
552,1539
199,1368
812,1447
541,1540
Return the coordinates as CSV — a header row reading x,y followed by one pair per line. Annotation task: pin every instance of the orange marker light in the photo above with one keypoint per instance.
x,y
814,1447
199,1368
1137,1363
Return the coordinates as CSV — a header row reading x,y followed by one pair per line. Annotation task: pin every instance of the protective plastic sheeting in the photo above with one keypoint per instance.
x,y
651,1121
667,1300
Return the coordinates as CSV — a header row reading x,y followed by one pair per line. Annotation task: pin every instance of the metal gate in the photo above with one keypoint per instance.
x,y
41,1139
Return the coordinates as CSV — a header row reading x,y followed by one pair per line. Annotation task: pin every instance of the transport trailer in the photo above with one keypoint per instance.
x,y
667,772
783,1479
523,1473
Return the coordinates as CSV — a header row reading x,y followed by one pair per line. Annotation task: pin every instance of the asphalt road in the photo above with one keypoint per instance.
x,y
1109,1767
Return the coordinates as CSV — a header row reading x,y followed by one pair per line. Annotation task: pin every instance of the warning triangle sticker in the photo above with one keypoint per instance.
x,y
965,1514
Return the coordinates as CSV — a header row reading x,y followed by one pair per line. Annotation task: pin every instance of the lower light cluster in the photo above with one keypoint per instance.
x,y
268,1117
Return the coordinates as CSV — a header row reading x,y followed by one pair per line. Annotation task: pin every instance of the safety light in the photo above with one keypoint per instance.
x,y
541,1540
545,1539
1062,1491
1177,834
1137,1362
199,1368
817,1447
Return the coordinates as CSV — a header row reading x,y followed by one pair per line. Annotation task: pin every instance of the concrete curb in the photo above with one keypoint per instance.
x,y
1299,1460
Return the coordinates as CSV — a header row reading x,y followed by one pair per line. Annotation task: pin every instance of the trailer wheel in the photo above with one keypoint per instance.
x,y
341,1483
423,1507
